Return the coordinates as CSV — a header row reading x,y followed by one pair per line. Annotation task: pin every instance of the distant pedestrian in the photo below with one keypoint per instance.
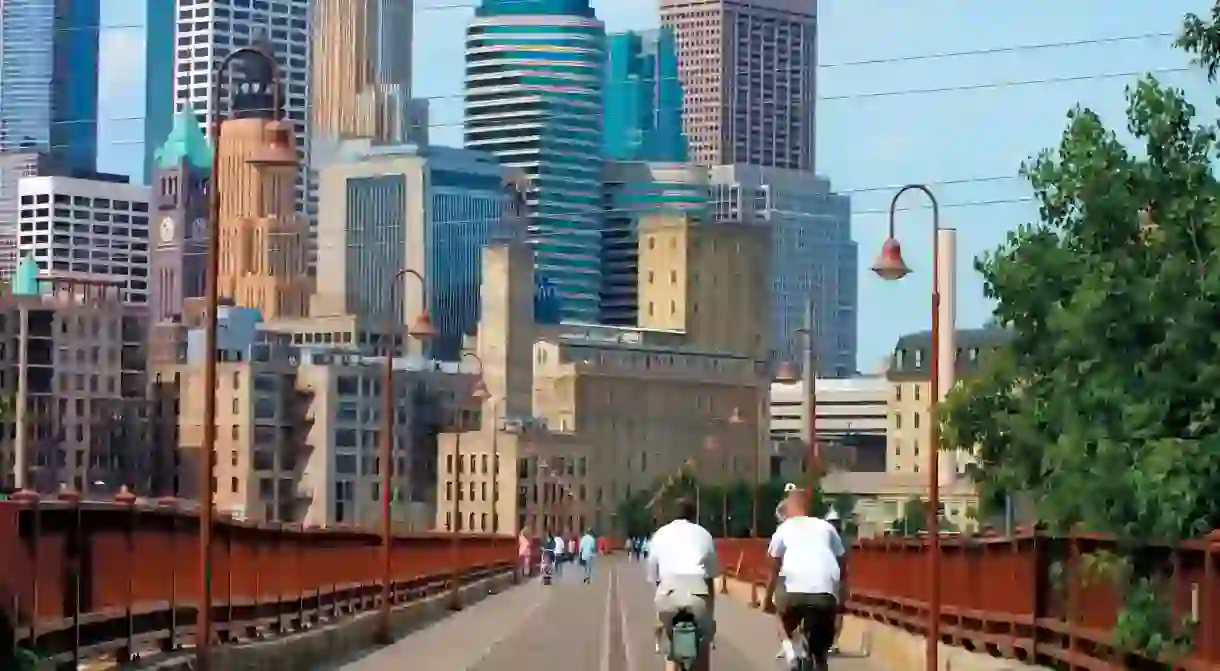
x,y
588,549
524,553
561,549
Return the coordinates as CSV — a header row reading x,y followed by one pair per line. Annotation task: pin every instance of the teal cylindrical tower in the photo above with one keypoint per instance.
x,y
534,75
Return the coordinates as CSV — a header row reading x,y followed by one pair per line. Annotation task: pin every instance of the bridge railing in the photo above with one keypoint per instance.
x,y
82,579
1035,597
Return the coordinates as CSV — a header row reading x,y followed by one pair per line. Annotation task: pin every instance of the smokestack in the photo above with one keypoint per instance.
x,y
946,250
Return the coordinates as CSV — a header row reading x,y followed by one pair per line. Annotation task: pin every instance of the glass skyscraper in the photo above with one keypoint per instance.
x,y
643,98
135,97
534,71
49,79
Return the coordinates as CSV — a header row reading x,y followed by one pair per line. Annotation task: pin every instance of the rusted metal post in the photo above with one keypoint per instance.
x,y
32,502
171,642
207,447
74,550
126,498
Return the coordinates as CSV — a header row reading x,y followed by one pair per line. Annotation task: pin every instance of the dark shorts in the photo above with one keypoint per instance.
x,y
817,611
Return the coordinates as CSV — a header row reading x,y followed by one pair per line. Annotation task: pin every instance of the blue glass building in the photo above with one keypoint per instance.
x,y
643,98
135,98
534,100
633,188
49,79
430,209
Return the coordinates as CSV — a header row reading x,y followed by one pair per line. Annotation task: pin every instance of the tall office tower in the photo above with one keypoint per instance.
x,y
48,99
643,97
360,79
90,229
180,217
262,238
427,209
15,166
48,79
812,256
749,70
360,76
634,189
208,30
534,100
135,101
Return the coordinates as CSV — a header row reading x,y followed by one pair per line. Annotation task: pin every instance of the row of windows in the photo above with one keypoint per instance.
x,y
84,201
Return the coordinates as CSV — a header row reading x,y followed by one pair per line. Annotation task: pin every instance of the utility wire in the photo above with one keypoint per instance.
x,y
924,91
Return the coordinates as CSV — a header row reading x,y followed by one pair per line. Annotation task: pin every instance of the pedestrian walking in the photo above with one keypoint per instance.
x,y
523,553
588,550
561,548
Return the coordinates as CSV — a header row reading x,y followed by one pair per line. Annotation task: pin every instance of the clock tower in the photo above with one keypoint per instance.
x,y
179,220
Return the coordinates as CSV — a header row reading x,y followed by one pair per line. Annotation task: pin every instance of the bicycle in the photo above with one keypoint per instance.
x,y
685,640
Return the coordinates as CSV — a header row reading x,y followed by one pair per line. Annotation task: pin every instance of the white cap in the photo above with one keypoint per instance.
x,y
832,515
789,488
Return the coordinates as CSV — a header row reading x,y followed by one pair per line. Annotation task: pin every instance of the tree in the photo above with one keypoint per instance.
x,y
1103,405
1102,408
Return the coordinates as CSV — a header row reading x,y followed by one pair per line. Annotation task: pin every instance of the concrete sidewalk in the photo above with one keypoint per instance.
x,y
605,626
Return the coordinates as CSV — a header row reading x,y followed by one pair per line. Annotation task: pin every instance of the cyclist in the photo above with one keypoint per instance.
x,y
807,567
682,564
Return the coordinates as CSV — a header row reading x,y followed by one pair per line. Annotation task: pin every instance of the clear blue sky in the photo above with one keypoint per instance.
x,y
867,144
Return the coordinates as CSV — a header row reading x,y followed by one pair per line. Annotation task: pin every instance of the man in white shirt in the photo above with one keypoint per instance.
x,y
807,568
682,564
561,548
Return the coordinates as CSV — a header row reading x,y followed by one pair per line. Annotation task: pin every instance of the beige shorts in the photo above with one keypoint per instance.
x,y
687,594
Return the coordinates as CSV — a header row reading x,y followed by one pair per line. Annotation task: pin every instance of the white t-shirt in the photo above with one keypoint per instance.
x,y
681,550
560,545
810,549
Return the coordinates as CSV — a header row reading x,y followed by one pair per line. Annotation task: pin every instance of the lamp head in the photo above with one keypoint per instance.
x,y
422,329
890,265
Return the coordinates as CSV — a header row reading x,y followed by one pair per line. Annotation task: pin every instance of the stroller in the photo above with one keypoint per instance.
x,y
548,566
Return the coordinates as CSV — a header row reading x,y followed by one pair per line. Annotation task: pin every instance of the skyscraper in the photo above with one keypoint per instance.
x,y
207,30
360,81
643,98
262,238
387,208
360,74
813,256
48,79
749,71
136,85
534,99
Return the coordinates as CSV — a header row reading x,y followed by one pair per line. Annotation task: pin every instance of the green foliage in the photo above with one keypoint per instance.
x,y
1103,407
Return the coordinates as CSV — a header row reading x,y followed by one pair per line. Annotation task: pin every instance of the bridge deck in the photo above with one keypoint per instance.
x,y
605,626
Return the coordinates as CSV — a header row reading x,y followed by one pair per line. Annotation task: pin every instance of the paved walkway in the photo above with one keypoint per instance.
x,y
605,626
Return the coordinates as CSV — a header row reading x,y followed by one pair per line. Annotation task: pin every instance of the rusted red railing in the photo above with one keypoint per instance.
x,y
85,579
1035,597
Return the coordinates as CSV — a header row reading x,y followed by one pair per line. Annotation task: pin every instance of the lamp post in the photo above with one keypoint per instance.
x,y
422,330
890,266
712,444
495,466
809,393
277,152
480,393
765,378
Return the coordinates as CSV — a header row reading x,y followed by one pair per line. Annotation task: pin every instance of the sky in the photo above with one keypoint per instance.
x,y
877,132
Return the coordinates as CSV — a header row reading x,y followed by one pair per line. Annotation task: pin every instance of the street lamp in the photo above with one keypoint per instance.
x,y
422,330
480,393
712,444
277,152
890,266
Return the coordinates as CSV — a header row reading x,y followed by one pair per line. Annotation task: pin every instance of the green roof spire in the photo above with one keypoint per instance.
x,y
186,143
25,279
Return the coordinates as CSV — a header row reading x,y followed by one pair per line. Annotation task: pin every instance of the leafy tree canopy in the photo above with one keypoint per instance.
x,y
1103,407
